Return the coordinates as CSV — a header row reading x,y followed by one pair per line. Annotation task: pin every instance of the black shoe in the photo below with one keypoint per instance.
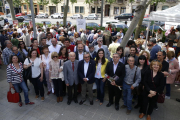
x,y
75,100
91,102
109,104
117,107
177,99
137,106
69,102
81,102
94,91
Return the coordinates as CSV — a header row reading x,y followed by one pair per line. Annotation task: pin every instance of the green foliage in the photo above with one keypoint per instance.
x,y
43,2
28,2
55,1
89,1
17,3
111,1
73,1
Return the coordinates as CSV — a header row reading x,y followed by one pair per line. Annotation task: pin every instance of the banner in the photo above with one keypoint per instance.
x,y
15,22
30,24
80,24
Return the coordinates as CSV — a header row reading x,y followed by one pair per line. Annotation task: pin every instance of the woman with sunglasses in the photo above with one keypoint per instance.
x,y
22,47
120,51
142,64
101,63
153,85
55,68
35,62
15,78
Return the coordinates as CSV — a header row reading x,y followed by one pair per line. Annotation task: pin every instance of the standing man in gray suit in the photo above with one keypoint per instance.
x,y
104,47
71,77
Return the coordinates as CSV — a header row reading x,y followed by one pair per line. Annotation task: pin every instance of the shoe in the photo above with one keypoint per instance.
x,y
148,117
28,89
20,104
91,102
156,108
75,100
167,97
109,104
97,100
30,103
94,91
81,102
37,96
117,107
58,99
141,115
128,112
42,99
61,99
136,107
69,102
177,99
49,92
123,106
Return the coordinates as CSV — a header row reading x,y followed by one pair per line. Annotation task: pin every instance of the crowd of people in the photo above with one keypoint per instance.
x,y
72,62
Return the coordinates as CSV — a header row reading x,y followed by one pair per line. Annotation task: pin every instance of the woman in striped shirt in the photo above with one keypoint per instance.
x,y
15,78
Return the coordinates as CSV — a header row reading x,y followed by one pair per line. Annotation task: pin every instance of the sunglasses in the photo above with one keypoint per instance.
x,y
32,64
55,56
22,44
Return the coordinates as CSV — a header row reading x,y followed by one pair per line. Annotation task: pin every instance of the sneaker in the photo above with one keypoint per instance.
x,y
128,112
42,99
123,106
37,96
167,97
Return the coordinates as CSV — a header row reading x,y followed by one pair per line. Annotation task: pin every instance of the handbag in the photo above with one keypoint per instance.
x,y
12,97
27,74
161,97
61,75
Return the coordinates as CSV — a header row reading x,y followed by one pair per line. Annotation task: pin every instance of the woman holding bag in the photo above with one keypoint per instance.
x,y
55,70
15,79
153,85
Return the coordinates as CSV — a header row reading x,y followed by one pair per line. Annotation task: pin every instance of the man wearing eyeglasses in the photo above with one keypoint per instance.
x,y
86,71
104,47
48,40
21,56
7,52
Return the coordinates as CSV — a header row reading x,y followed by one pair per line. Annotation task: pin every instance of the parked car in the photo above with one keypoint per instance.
x,y
42,15
30,16
57,15
146,16
156,27
47,22
124,16
77,16
61,22
92,24
19,14
109,22
91,17
20,18
8,15
119,25
146,20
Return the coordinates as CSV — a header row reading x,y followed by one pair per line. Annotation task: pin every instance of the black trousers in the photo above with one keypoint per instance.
x,y
38,86
114,91
148,103
70,88
64,87
58,87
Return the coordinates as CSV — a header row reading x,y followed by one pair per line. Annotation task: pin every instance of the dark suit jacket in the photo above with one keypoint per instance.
x,y
90,72
120,72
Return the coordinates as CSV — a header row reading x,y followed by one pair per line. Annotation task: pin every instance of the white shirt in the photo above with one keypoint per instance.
x,y
80,56
19,30
36,71
98,71
54,49
46,60
100,47
86,47
86,65
48,42
115,67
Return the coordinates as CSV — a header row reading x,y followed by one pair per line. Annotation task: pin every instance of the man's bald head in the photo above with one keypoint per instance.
x,y
54,42
72,56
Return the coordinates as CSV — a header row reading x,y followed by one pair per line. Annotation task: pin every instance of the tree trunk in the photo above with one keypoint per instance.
x,y
11,9
65,13
134,22
57,8
44,8
89,8
138,27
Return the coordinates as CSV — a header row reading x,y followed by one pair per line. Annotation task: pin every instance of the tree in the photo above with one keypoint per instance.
x,y
43,3
89,2
11,9
56,2
72,2
17,3
65,12
136,20
110,2
28,2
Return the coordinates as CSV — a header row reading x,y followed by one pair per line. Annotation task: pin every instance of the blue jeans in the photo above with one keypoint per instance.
x,y
25,90
127,96
100,89
168,90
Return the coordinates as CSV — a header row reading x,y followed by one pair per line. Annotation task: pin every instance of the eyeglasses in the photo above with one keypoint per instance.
x,y
87,57
100,40
32,64
15,50
22,44
55,56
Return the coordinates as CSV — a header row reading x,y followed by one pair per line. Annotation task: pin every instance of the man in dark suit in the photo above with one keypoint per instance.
x,y
115,68
86,71
79,52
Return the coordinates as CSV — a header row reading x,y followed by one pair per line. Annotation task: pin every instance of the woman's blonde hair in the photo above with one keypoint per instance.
x,y
148,55
156,61
170,55
54,54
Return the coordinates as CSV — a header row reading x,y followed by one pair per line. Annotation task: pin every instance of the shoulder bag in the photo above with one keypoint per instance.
x,y
27,74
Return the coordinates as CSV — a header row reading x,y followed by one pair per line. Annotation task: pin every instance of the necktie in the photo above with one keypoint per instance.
x,y
73,66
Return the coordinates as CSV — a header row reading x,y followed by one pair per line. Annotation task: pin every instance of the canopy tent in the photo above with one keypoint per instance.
x,y
169,15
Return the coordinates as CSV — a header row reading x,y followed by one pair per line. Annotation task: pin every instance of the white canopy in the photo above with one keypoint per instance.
x,y
169,15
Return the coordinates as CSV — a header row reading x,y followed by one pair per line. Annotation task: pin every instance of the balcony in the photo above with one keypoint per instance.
x,y
171,1
119,1
96,1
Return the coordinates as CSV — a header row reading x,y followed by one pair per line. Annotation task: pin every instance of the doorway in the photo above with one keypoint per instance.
x,y
35,11
107,9
52,9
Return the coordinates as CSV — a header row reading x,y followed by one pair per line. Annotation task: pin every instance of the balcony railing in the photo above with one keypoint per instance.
x,y
120,1
171,1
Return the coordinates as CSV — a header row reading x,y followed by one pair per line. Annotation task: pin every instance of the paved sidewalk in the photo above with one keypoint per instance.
x,y
50,110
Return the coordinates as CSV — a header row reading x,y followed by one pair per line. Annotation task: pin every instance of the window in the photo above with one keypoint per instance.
x,y
81,9
25,7
76,9
98,9
92,10
165,7
123,9
116,10
41,7
62,8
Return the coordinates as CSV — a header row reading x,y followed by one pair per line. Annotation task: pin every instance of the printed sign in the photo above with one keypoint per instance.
x,y
15,22
81,24
30,24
